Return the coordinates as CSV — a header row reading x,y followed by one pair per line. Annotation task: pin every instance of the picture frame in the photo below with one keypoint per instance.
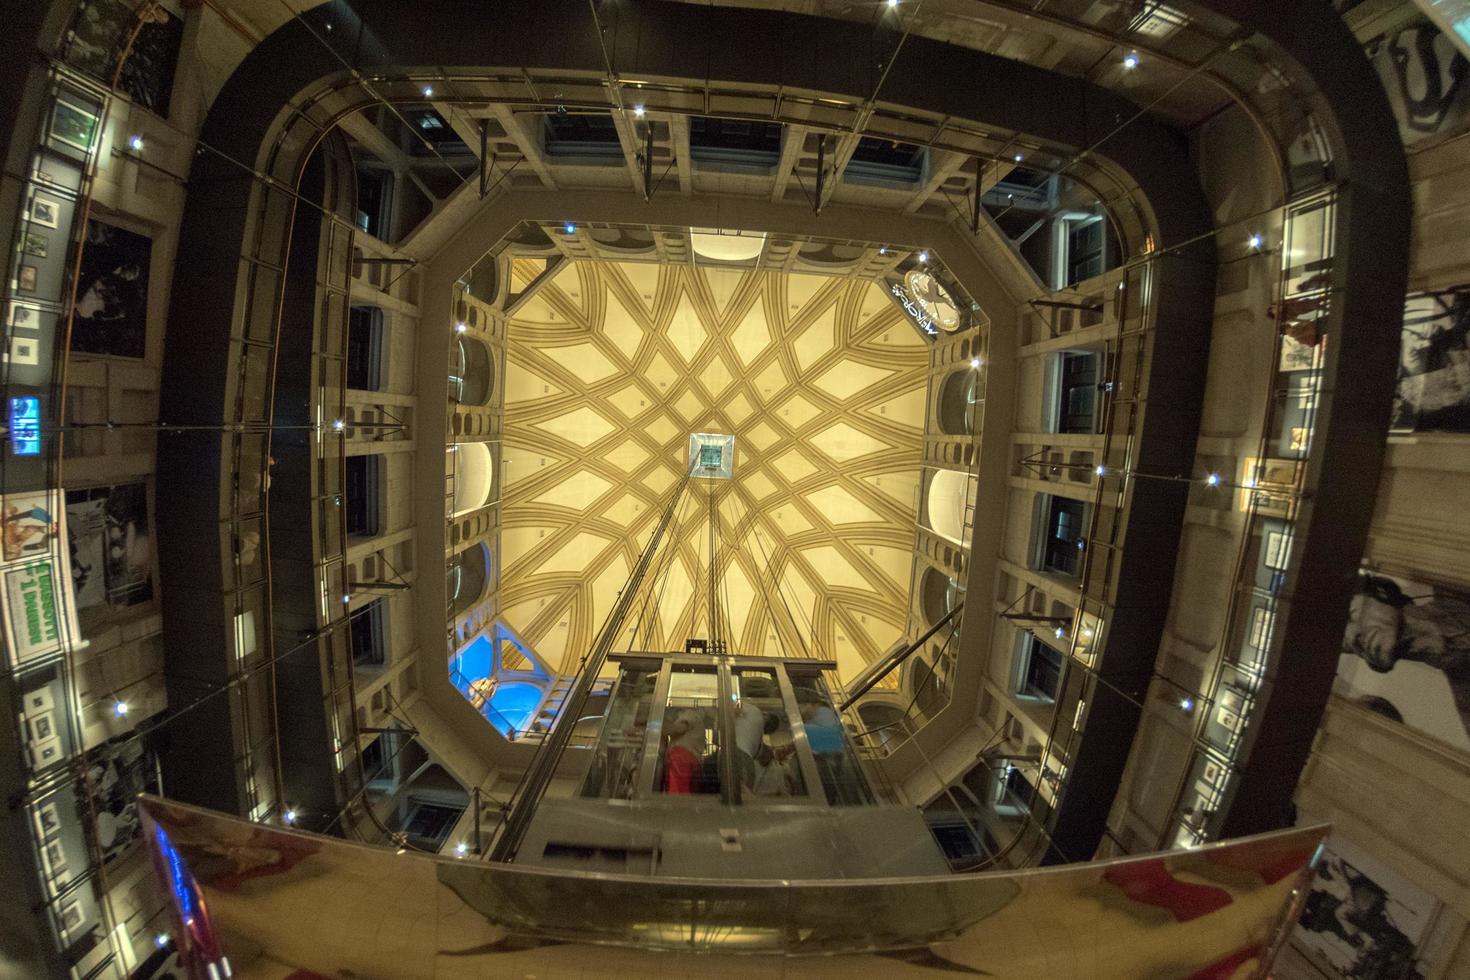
x,y
42,726
22,350
53,856
47,818
43,210
69,918
35,243
1277,549
22,316
73,125
1229,720
1262,620
1300,435
39,700
45,753
27,277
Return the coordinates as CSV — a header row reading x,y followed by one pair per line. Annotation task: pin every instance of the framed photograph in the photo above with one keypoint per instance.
x,y
26,278
1278,549
43,726
29,526
39,700
45,753
70,918
47,820
112,292
1213,773
22,350
34,243
44,211
1260,631
53,852
1228,720
23,316
1300,435
73,124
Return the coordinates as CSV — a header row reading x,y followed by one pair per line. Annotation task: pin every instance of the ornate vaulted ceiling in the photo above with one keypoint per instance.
x,y
610,367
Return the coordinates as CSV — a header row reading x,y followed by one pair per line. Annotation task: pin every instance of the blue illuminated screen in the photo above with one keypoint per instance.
x,y
25,426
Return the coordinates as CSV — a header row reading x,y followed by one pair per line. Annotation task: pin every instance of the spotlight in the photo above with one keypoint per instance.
x,y
428,91
1020,157
1256,241
461,848
1102,471
638,111
569,228
120,708
289,816
346,599
328,25
1130,62
1061,631
1187,704
136,142
892,3
460,327
161,940
883,250
1213,479
923,256
974,362
338,425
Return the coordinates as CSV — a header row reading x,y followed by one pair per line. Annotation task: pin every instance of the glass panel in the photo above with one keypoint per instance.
x,y
614,771
689,761
841,777
765,753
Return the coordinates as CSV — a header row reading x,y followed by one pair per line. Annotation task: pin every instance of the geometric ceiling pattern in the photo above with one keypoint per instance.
x,y
611,365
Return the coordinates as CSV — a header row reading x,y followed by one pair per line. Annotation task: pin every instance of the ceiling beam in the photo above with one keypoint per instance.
x,y
678,124
943,164
530,147
375,141
791,145
632,143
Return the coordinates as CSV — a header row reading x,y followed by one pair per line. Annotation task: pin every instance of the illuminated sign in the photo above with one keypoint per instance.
x,y
925,324
25,426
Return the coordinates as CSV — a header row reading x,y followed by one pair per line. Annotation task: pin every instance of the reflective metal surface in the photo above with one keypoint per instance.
x,y
282,901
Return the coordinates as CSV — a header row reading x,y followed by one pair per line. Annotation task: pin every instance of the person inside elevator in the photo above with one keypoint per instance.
x,y
824,737
684,757
751,728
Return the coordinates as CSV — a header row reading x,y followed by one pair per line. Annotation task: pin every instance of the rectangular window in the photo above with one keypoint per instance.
x,y
1064,530
370,636
589,136
365,348
1086,250
887,161
1076,400
1040,673
374,199
734,143
364,486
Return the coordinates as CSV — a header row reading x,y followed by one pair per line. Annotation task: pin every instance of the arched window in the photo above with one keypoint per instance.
x,y
469,473
471,374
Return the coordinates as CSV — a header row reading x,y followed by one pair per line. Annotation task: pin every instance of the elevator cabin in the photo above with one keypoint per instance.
x,y
722,767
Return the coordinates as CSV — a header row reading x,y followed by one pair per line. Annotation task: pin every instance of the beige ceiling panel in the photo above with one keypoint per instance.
x,y
737,409
576,554
602,593
643,277
882,633
796,412
753,336
793,466
589,364
801,288
520,463
662,429
900,487
842,442
659,480
662,374
723,285
552,644
790,520
759,485
521,615
619,326
738,597
715,377
896,564
631,400
629,509
817,339
517,542
686,331
771,383
848,377
689,405
761,436
578,492
906,409
875,303
834,568
524,385
582,426
837,505
628,456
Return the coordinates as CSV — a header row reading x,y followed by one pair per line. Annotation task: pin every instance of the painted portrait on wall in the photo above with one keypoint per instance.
x,y
1361,920
112,292
101,31
1406,655
1425,77
1433,391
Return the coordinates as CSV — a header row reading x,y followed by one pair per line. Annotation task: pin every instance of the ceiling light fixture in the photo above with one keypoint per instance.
x,y
892,3
461,848
1020,157
882,249
161,940
1130,62
136,142
428,91
638,111
1102,471
1061,631
120,708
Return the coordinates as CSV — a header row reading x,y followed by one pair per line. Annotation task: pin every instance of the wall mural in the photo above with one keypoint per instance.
x,y
101,30
1434,363
1361,920
1425,77
1406,655
111,547
112,292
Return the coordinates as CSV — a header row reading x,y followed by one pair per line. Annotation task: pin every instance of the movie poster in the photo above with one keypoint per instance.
x,y
1362,921
1433,391
112,292
1406,655
1425,77
101,31
38,611
117,771
111,546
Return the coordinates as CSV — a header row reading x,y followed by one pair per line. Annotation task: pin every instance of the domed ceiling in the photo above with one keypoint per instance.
x,y
611,367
